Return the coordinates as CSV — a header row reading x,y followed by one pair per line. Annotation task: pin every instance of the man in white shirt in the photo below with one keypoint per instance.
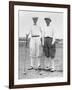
x,y
35,35
49,44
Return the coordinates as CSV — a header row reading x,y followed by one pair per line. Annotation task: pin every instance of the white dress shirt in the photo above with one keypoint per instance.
x,y
35,30
49,32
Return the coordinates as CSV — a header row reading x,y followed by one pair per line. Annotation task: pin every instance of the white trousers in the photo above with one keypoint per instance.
x,y
35,44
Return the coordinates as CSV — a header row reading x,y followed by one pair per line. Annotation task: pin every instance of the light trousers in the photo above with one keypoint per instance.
x,y
35,44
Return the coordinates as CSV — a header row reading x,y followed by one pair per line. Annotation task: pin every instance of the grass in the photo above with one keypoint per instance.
x,y
24,63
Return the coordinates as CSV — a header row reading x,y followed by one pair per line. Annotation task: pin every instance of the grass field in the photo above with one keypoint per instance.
x,y
24,63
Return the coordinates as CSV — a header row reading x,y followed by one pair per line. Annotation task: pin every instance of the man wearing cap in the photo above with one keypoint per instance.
x,y
35,43
49,44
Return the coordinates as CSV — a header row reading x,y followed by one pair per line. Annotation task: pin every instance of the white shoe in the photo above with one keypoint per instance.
x,y
30,68
52,70
38,68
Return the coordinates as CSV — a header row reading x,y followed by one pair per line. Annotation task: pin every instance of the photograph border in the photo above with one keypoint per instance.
x,y
11,43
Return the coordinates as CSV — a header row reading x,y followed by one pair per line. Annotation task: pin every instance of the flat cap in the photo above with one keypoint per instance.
x,y
47,19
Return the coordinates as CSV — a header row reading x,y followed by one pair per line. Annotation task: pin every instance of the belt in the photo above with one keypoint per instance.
x,y
48,37
36,36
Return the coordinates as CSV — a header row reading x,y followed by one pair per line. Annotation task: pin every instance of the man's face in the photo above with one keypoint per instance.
x,y
47,22
35,20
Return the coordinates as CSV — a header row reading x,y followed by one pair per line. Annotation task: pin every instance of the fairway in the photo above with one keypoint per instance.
x,y
24,63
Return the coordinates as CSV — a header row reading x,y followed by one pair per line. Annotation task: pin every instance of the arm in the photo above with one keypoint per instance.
x,y
53,35
42,36
29,34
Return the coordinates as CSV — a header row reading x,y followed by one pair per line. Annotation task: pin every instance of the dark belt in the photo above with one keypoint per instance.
x,y
48,37
36,36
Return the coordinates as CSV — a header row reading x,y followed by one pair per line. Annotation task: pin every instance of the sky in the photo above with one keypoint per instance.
x,y
25,21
